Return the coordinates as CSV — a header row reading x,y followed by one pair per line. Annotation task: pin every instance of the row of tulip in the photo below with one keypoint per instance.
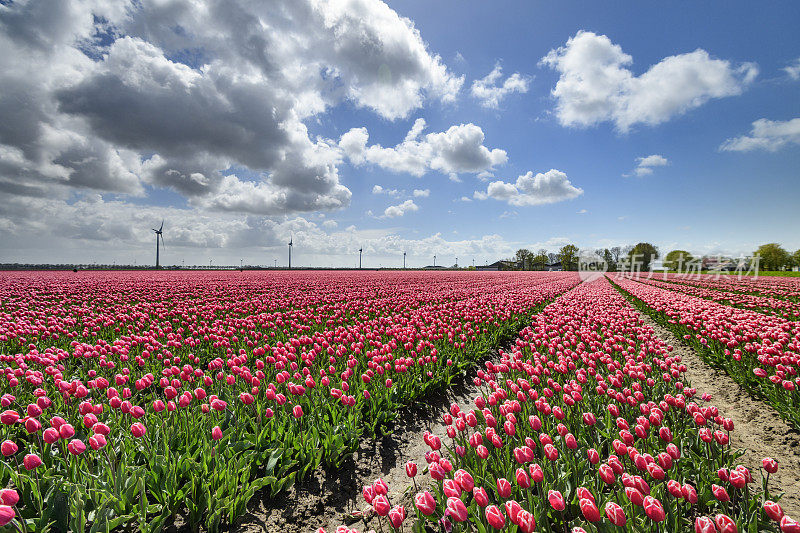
x,y
772,286
131,398
782,307
587,424
761,352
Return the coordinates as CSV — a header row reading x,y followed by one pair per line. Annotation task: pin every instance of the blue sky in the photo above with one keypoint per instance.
x,y
677,124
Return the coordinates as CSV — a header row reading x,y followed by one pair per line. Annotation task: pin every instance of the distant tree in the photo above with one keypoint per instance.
x,y
568,255
616,254
551,257
609,260
524,259
796,258
540,260
643,252
773,256
677,259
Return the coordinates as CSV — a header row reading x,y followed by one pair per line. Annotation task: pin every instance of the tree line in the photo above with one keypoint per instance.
x,y
771,256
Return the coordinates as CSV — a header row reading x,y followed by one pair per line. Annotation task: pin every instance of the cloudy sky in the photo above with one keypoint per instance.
x,y
456,128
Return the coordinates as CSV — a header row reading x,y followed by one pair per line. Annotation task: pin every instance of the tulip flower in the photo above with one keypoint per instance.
x,y
615,514
773,510
704,524
456,509
556,500
6,514
481,498
381,505
31,461
725,524
425,502
8,448
76,447
495,517
411,469
788,525
9,497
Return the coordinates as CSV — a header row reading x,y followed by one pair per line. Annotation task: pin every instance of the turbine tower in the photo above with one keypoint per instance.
x,y
290,250
159,233
404,260
360,250
434,260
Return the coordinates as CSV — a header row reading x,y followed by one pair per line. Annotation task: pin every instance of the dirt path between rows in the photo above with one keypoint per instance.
x,y
758,428
331,498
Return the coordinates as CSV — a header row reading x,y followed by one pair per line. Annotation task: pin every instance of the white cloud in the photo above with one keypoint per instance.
x,y
394,211
647,163
459,149
793,69
597,85
330,224
422,193
582,212
113,96
465,199
770,135
490,94
529,189
377,189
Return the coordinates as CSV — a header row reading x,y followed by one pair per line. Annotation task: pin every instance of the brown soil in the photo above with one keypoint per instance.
x,y
758,428
331,498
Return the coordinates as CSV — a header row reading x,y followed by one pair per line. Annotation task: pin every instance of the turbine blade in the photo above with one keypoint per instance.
x,y
162,225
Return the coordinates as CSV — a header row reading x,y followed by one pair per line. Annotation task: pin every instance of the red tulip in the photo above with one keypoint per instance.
x,y
8,448
381,505
770,465
31,461
456,509
9,417
589,510
526,521
9,497
788,525
653,509
773,510
76,447
481,498
503,488
495,517
704,524
464,479
615,514
425,502
6,514
725,524
556,500
411,469
397,515
720,493
216,433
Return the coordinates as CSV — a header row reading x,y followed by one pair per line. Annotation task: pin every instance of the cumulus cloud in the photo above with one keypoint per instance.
x,y
394,211
646,164
529,189
206,99
377,189
793,69
422,193
459,149
596,84
490,94
769,135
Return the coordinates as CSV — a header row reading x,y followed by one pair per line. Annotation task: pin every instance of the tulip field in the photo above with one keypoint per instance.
x,y
151,400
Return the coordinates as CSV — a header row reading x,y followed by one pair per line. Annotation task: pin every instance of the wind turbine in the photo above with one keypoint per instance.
x,y
159,233
404,260
291,239
360,250
434,260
